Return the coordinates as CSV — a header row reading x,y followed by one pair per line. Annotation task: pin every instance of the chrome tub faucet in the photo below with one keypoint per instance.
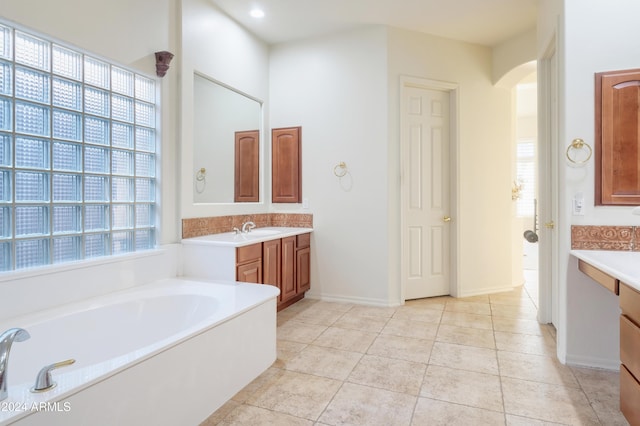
x,y
6,339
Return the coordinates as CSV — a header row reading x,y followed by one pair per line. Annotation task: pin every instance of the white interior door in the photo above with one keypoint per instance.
x,y
548,311
425,123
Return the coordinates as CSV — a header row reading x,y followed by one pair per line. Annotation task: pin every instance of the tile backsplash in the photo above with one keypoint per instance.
x,y
199,226
592,237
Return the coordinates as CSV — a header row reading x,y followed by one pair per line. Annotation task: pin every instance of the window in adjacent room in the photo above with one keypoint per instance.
x,y
77,154
526,172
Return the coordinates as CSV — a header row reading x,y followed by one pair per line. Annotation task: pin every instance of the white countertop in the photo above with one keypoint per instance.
x,y
623,265
257,235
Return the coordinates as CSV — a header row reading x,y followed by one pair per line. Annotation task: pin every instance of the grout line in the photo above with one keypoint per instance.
x,y
495,343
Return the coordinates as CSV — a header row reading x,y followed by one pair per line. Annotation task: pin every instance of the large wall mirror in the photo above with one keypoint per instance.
x,y
226,148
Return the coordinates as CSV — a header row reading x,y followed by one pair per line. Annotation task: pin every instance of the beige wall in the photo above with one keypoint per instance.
x,y
484,154
335,87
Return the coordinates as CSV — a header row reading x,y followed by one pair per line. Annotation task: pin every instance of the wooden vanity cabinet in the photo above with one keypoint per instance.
x,y
602,278
249,263
630,354
283,262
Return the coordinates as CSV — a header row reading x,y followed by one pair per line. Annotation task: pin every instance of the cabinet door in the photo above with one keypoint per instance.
x,y
288,288
629,396
271,272
303,275
286,171
247,166
617,137
250,272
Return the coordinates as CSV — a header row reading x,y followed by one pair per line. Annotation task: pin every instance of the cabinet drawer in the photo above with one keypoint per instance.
x,y
630,345
304,240
605,280
629,396
248,253
630,303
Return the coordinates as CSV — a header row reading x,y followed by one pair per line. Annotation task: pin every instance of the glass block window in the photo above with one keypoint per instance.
x,y
77,154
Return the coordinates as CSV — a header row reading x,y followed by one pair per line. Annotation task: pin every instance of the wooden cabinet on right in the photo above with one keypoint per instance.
x,y
617,143
286,180
630,354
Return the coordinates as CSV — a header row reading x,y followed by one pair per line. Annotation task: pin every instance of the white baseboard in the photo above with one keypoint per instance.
x,y
337,298
487,290
592,362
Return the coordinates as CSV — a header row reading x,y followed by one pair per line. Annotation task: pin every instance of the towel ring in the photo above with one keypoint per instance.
x,y
340,169
579,144
201,174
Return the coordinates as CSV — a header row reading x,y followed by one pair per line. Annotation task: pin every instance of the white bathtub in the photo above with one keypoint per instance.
x,y
167,353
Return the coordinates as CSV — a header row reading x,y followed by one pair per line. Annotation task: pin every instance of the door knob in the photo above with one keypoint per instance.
x,y
550,225
447,219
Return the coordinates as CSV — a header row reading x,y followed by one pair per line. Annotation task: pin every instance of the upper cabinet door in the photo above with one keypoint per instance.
x,y
286,181
618,137
247,170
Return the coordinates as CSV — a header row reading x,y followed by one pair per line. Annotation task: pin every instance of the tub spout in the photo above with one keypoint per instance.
x,y
6,339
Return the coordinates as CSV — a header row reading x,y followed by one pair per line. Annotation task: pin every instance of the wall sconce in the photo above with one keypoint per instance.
x,y
162,62
516,190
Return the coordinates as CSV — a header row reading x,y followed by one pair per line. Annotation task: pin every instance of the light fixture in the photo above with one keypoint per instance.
x,y
162,62
257,13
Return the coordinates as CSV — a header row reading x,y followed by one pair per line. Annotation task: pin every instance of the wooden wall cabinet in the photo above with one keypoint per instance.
x,y
247,167
286,180
617,144
630,353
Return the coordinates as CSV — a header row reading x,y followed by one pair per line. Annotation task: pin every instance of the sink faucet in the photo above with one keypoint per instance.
x,y
6,339
248,226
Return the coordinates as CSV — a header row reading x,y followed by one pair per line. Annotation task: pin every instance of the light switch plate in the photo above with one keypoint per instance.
x,y
578,204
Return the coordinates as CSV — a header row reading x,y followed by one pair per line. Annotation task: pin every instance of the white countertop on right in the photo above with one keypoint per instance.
x,y
623,265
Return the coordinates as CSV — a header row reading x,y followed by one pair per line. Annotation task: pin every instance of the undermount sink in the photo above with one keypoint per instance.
x,y
262,232
256,235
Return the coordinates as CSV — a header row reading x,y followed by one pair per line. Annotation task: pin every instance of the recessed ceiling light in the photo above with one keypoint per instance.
x,y
257,13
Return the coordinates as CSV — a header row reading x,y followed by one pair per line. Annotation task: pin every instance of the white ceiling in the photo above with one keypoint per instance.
x,y
486,22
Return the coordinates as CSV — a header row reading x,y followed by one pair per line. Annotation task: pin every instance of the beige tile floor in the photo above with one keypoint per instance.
x,y
476,361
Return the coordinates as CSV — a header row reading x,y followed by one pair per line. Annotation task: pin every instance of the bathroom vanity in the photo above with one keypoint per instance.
x,y
619,272
279,256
